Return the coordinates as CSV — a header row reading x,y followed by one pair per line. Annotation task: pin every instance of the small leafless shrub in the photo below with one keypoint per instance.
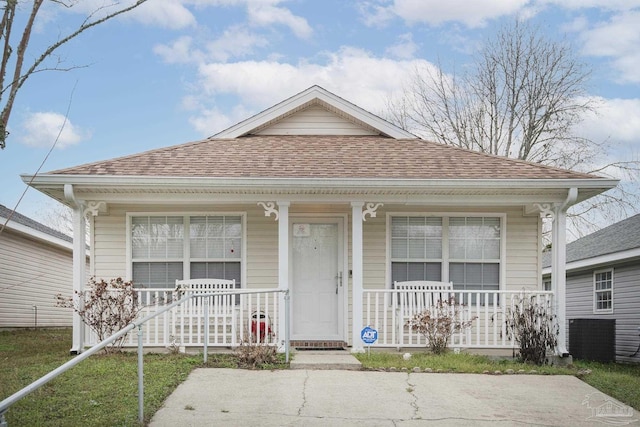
x,y
439,322
106,307
533,326
255,355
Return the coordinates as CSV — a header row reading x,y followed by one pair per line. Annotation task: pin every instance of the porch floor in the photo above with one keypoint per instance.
x,y
326,360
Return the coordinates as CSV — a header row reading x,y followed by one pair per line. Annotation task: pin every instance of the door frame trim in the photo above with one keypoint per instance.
x,y
343,261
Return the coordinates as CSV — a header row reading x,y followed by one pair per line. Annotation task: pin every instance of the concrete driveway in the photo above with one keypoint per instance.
x,y
233,397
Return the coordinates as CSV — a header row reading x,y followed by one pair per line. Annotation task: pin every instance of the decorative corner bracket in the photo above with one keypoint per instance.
x,y
269,208
94,208
546,210
370,210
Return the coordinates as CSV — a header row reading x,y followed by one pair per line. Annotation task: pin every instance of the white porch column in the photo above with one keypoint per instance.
x,y
283,264
559,267
79,275
559,275
356,266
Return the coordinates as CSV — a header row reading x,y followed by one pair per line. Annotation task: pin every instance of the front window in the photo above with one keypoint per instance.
x,y
603,291
160,255
463,250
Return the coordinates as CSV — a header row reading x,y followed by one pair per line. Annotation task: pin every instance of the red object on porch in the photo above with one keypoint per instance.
x,y
261,327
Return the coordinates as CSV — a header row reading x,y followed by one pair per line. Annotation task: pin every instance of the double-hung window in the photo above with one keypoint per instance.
x,y
169,248
463,250
603,291
474,253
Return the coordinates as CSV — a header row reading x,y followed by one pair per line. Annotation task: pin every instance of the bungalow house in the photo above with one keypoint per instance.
x,y
36,264
323,199
603,283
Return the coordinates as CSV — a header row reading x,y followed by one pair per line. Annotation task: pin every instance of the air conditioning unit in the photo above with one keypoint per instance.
x,y
593,339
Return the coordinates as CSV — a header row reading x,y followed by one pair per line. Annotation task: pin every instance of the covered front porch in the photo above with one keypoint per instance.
x,y
337,260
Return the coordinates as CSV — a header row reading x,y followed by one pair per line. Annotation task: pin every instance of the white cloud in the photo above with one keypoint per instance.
x,y
614,119
171,14
260,84
180,51
618,39
599,4
436,12
405,48
236,41
42,129
264,15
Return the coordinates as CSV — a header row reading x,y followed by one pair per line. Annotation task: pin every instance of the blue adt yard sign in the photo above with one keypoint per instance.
x,y
369,335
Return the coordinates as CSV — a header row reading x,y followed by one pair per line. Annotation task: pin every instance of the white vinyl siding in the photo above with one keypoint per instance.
x,y
316,120
523,251
32,274
603,291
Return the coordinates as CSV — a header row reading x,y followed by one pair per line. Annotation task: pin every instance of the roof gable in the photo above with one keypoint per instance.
x,y
269,121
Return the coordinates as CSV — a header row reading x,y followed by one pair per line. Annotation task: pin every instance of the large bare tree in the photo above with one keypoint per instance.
x,y
523,97
19,63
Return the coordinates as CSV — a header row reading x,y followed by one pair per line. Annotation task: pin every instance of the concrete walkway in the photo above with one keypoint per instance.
x,y
233,397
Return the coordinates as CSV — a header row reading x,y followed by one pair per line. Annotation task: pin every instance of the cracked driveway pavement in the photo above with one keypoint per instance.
x,y
233,397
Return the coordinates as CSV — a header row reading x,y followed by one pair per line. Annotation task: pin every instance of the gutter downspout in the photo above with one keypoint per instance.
x,y
559,267
79,265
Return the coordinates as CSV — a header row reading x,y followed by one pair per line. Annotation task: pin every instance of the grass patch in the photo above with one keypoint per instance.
x,y
621,381
450,362
100,391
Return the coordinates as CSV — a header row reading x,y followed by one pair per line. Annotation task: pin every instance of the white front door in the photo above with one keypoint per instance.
x,y
316,288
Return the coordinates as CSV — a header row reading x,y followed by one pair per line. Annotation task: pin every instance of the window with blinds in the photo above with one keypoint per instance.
x,y
463,250
160,255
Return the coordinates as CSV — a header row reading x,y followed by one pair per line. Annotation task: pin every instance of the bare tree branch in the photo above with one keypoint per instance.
x,y
523,97
19,77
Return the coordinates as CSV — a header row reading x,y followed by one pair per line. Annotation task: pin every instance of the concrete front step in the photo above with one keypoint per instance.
x,y
327,360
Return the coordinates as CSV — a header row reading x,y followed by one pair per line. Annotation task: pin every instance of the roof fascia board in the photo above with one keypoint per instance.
x,y
599,260
36,234
195,182
280,109
404,199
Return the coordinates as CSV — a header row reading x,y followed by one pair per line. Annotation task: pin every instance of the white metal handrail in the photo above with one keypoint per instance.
x,y
9,401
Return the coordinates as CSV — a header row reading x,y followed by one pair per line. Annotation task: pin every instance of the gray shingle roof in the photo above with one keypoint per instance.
x,y
618,237
35,225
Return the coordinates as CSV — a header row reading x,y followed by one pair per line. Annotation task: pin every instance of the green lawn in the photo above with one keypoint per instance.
x,y
101,391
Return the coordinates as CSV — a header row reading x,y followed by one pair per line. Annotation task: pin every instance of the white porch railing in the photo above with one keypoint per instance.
x,y
234,316
389,310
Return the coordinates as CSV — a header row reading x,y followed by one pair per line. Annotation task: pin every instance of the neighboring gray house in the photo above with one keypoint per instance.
x,y
603,282
36,263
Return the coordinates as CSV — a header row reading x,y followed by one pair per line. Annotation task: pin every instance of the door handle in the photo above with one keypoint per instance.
x,y
338,281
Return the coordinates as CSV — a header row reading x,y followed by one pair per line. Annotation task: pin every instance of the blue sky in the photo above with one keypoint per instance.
x,y
175,71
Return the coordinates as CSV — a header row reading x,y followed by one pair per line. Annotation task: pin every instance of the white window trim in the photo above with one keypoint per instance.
x,y
445,240
595,299
187,250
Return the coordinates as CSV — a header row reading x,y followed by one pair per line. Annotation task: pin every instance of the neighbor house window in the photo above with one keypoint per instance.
x,y
464,250
603,291
546,285
169,248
